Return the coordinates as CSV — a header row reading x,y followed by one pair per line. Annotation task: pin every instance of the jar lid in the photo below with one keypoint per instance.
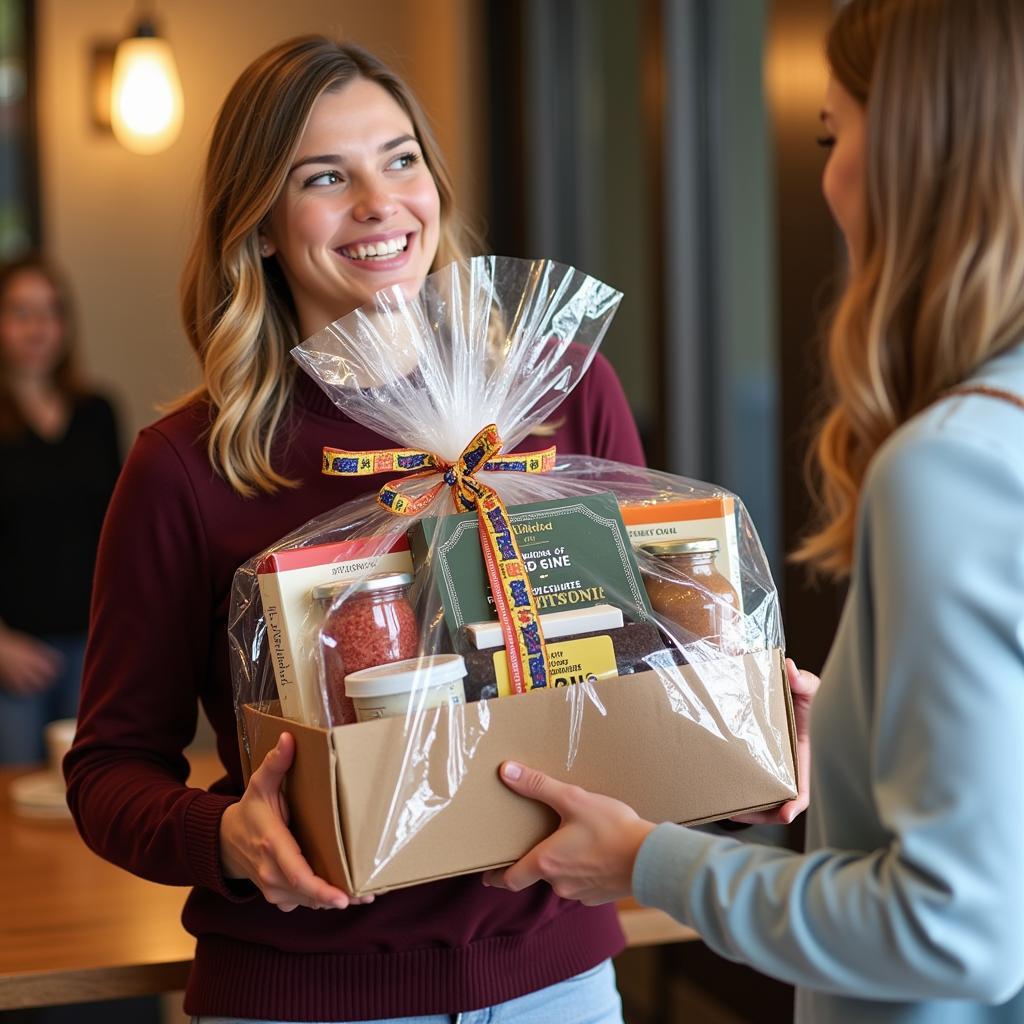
x,y
403,676
382,581
329,591
692,546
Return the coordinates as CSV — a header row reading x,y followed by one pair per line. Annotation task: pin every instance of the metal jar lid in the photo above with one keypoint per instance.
x,y
382,581
378,581
329,591
692,546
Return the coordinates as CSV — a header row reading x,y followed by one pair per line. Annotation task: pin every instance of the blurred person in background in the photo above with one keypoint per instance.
x,y
908,905
60,458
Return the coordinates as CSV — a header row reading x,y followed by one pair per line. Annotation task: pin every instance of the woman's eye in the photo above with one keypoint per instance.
x,y
826,142
405,161
324,178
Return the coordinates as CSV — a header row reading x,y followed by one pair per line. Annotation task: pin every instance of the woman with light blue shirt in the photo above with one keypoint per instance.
x,y
908,905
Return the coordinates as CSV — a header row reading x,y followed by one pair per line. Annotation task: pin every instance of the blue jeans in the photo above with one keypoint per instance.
x,y
588,998
22,718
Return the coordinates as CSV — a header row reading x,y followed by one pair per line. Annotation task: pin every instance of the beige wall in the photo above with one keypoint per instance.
x,y
120,223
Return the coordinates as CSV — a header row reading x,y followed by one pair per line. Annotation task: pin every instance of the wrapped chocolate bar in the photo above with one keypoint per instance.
x,y
615,626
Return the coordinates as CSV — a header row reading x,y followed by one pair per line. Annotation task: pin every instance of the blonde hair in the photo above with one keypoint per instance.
x,y
237,309
940,288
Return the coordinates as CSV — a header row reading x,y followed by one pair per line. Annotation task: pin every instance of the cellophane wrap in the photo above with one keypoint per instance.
x,y
500,341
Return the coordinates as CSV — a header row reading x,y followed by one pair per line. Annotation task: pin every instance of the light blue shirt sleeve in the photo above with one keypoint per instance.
x,y
931,905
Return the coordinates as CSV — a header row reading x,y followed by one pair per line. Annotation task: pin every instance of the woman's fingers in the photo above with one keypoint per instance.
x,y
590,856
270,775
308,888
802,686
536,785
784,814
518,876
256,842
286,880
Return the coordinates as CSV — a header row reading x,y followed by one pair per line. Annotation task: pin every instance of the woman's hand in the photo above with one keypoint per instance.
x,y
803,686
255,842
27,665
590,858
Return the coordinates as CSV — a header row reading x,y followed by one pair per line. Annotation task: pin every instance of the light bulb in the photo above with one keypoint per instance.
x,y
146,104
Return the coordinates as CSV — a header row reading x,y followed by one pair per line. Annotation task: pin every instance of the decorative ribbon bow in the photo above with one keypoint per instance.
x,y
510,585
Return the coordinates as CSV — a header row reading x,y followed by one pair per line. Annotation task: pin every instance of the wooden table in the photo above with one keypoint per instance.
x,y
76,929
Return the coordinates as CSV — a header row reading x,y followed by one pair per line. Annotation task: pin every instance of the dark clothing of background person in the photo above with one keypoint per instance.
x,y
53,496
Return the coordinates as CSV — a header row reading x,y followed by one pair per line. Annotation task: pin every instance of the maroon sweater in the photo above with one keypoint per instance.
x,y
173,537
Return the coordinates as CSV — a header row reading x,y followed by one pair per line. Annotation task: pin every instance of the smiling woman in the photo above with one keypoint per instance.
x,y
322,186
301,165
359,211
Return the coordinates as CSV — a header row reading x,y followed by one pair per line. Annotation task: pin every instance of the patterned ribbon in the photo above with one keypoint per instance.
x,y
510,585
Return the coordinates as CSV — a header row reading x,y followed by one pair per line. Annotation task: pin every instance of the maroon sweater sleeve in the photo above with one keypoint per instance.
x,y
126,773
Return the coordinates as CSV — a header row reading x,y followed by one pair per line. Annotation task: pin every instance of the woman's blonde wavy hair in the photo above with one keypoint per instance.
x,y
237,309
941,286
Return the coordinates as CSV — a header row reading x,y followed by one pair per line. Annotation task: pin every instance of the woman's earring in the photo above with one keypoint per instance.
x,y
265,249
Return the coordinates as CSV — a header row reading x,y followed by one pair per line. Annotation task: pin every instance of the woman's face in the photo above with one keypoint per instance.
x,y
359,210
31,328
843,179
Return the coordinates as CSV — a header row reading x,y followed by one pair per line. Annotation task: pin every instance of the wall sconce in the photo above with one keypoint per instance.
x,y
137,92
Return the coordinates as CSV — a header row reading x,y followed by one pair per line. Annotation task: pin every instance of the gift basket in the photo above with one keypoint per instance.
x,y
615,626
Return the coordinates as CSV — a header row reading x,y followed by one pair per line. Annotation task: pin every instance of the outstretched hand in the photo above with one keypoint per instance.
x,y
255,842
590,857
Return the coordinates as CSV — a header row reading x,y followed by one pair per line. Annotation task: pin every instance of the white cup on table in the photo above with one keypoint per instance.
x,y
59,736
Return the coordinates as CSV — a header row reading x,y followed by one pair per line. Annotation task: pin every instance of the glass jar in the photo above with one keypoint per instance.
x,y
332,668
692,593
374,625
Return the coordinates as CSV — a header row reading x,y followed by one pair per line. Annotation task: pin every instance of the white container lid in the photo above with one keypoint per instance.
x,y
402,676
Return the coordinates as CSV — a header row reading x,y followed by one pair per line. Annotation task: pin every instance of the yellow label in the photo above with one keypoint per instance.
x,y
570,661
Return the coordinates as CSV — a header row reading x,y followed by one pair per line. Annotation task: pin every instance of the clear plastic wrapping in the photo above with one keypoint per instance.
x,y
365,615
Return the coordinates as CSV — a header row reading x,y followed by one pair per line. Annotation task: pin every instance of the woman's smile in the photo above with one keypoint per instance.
x,y
359,210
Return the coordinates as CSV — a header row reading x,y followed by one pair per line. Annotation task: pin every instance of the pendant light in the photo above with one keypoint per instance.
x,y
146,103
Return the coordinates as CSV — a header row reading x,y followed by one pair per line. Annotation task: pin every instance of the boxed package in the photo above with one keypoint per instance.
x,y
572,549
504,607
681,518
294,583
349,784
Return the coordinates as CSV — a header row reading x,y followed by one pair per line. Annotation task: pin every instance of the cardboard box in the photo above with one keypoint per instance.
x,y
682,767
